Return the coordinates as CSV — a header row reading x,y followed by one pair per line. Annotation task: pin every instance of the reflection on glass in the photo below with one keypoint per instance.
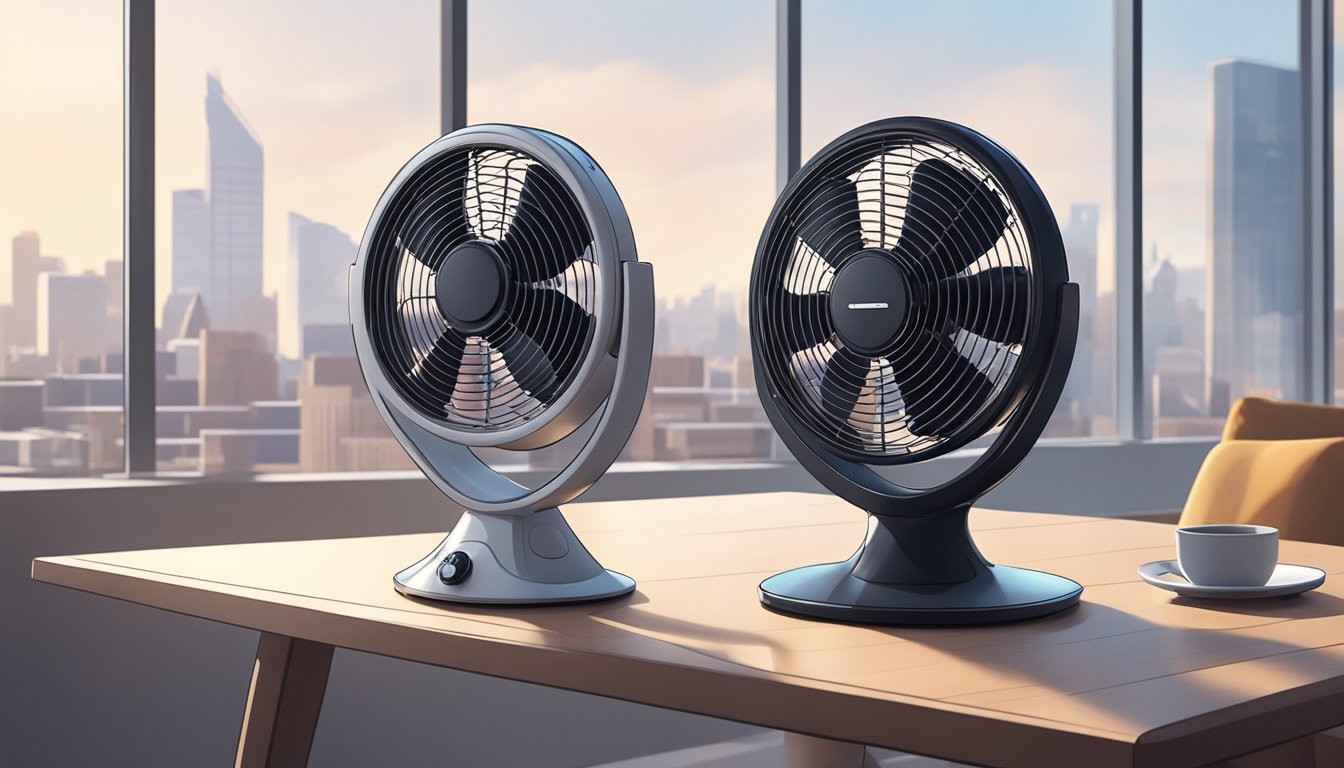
x,y
1338,245
676,101
60,215
1222,211
275,139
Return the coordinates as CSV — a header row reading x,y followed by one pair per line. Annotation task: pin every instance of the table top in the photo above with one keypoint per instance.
x,y
1132,676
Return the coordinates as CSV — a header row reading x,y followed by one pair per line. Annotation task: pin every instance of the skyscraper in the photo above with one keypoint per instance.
x,y
1080,244
1255,249
191,241
27,264
235,368
71,318
320,256
234,189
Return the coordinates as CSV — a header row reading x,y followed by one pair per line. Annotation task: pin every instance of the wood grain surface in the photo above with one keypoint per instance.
x,y
1132,676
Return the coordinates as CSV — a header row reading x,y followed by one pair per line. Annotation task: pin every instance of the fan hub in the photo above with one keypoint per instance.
x,y
470,287
869,301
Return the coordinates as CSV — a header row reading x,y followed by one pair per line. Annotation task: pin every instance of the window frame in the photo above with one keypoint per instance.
x,y
1315,52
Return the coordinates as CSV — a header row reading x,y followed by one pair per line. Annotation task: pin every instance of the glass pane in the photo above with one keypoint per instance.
x,y
60,215
1036,77
1222,193
279,125
676,101
1338,149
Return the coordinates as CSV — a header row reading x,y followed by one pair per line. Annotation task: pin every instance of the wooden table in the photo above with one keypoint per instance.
x,y
1132,677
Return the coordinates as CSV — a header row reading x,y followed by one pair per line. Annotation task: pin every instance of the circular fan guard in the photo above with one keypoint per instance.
x,y
932,368
479,359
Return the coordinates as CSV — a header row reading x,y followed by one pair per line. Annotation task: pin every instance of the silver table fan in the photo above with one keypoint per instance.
x,y
497,302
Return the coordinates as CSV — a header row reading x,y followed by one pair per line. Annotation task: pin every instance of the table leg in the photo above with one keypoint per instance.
x,y
811,752
289,679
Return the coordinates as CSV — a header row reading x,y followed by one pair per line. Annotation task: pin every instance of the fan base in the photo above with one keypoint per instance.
x,y
922,570
996,593
512,559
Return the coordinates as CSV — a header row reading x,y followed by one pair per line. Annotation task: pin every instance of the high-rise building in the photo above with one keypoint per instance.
x,y
236,368
234,197
71,318
114,277
27,255
1255,249
191,241
320,256
1080,244
340,429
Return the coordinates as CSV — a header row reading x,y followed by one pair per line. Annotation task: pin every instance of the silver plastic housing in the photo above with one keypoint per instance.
x,y
513,533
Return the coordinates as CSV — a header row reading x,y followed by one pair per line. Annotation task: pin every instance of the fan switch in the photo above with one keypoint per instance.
x,y
455,568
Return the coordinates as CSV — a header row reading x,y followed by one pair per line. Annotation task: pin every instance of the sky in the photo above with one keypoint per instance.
x,y
674,99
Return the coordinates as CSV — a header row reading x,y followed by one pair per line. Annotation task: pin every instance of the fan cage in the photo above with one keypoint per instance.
x,y
554,289
797,340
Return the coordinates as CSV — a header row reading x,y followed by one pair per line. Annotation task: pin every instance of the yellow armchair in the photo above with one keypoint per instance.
x,y
1279,464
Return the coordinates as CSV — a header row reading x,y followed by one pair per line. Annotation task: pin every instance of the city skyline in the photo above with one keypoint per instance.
x,y
339,107
263,195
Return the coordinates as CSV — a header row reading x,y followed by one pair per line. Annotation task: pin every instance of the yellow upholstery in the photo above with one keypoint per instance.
x,y
1280,464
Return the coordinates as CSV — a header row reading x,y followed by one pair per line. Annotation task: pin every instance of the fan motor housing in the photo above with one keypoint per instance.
x,y
471,287
869,302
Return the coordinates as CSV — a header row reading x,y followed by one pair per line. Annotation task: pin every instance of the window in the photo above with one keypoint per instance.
x,y
1035,77
621,79
1222,199
276,135
60,217
1337,247
279,125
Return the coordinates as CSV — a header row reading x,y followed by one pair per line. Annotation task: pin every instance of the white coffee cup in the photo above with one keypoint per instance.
x,y
1227,555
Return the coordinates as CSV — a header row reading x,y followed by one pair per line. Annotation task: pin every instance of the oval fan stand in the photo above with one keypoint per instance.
x,y
919,571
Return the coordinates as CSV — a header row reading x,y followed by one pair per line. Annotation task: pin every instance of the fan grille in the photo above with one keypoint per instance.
x,y
509,371
945,376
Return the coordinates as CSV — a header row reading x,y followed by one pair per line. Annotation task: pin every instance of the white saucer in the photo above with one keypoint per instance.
x,y
1287,580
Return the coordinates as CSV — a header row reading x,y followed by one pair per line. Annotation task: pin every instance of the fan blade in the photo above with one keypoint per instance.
x,y
828,220
941,389
846,373
438,220
526,360
951,218
805,319
443,364
548,232
992,303
557,324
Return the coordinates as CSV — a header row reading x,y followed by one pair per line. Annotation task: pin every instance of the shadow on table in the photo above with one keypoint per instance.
x,y
1310,605
1095,665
